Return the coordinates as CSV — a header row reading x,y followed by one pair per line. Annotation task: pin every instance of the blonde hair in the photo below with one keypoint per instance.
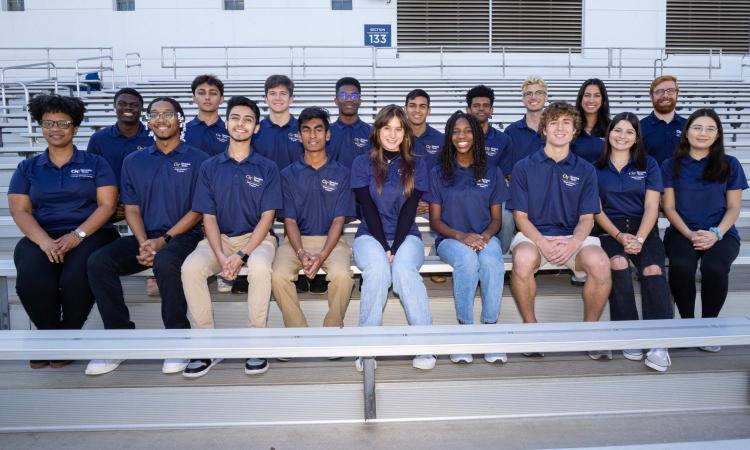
x,y
534,79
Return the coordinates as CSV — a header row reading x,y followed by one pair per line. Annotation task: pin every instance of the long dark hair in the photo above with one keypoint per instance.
x,y
447,159
637,151
379,166
602,116
717,168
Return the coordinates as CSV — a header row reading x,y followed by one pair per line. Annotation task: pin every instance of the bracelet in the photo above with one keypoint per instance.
x,y
300,250
618,234
716,231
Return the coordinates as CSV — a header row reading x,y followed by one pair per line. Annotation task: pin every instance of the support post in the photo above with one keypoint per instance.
x,y
4,305
369,380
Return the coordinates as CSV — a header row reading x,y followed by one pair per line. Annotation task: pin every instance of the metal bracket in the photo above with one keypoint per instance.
x,y
369,380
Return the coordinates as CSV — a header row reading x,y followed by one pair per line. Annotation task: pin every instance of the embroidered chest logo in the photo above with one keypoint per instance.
x,y
570,180
432,149
253,181
483,183
329,185
677,133
637,175
141,147
293,137
181,167
82,173
221,137
360,142
491,151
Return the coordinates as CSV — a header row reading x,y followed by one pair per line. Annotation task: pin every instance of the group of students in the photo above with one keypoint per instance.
x,y
565,185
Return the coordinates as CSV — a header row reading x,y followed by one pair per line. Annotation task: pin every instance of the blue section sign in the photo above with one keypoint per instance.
x,y
377,35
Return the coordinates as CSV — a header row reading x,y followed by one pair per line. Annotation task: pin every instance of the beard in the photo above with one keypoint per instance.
x,y
664,108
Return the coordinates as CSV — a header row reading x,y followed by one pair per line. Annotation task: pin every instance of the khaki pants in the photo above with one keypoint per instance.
x,y
286,269
202,263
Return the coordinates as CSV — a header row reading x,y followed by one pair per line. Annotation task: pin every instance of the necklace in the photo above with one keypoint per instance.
x,y
390,160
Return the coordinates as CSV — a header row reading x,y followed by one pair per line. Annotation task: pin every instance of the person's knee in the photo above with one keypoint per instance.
x,y
618,263
467,261
525,260
338,274
165,263
652,270
597,265
258,269
713,267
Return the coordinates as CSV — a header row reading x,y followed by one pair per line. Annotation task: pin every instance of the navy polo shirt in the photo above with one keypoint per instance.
x,y
114,146
62,198
314,197
348,141
162,185
391,198
212,139
623,193
428,146
280,144
554,195
588,146
701,204
525,140
497,146
661,138
465,203
238,193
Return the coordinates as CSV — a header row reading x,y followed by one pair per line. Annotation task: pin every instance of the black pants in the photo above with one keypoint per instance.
x,y
119,258
655,299
57,296
715,265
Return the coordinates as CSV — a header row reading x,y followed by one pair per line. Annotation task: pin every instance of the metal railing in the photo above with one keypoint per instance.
x,y
51,69
101,71
137,64
27,97
52,53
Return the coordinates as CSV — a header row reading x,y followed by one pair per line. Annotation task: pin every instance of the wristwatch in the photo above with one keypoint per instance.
x,y
167,237
80,233
244,256
640,240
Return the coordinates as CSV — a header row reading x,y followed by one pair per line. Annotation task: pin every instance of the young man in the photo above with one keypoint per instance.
x,y
207,131
350,136
317,202
238,193
498,146
525,132
278,139
428,144
663,127
554,196
157,190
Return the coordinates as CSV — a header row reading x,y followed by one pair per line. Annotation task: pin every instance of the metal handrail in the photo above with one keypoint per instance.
x,y
48,64
102,69
49,50
27,98
128,66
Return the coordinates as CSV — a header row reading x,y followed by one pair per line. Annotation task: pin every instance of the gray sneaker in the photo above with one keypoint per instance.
x,y
658,359
633,354
599,354
711,348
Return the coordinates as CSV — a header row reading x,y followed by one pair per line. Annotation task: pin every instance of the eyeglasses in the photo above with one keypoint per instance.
x,y
168,115
700,129
670,92
61,124
534,93
347,96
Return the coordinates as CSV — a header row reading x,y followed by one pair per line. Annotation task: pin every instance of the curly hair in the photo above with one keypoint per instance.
x,y
447,158
554,111
40,105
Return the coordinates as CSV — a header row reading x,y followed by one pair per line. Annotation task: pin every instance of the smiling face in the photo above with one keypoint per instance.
x,y
348,100
534,96
481,109
560,131
417,110
313,135
278,99
207,97
57,136
702,133
128,109
462,136
242,123
664,97
391,135
592,99
163,127
622,137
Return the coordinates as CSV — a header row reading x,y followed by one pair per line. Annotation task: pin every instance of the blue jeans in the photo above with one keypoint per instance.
x,y
507,230
470,268
378,274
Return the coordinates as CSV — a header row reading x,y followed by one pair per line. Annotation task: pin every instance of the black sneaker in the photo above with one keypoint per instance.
x,y
256,366
198,367
302,284
319,285
533,354
240,285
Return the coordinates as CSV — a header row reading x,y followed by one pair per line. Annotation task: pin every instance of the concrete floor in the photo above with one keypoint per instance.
x,y
511,434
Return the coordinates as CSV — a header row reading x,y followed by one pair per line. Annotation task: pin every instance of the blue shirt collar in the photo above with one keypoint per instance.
x,y
224,157
197,121
654,120
115,131
268,123
540,156
182,148
78,157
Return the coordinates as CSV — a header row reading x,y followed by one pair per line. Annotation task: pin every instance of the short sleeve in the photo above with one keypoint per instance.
x,y
360,176
737,178
667,173
500,191
506,154
93,145
128,193
435,195
422,181
653,175
105,176
345,205
203,200
289,211
590,203
272,197
519,189
19,182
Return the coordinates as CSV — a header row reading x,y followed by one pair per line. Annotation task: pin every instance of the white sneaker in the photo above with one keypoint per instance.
x,y
658,359
152,289
102,366
633,354
462,358
360,364
496,357
711,348
223,285
424,362
174,365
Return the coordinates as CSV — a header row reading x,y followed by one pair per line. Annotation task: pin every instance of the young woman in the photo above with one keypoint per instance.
x,y
61,200
388,248
629,187
592,104
702,200
466,199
